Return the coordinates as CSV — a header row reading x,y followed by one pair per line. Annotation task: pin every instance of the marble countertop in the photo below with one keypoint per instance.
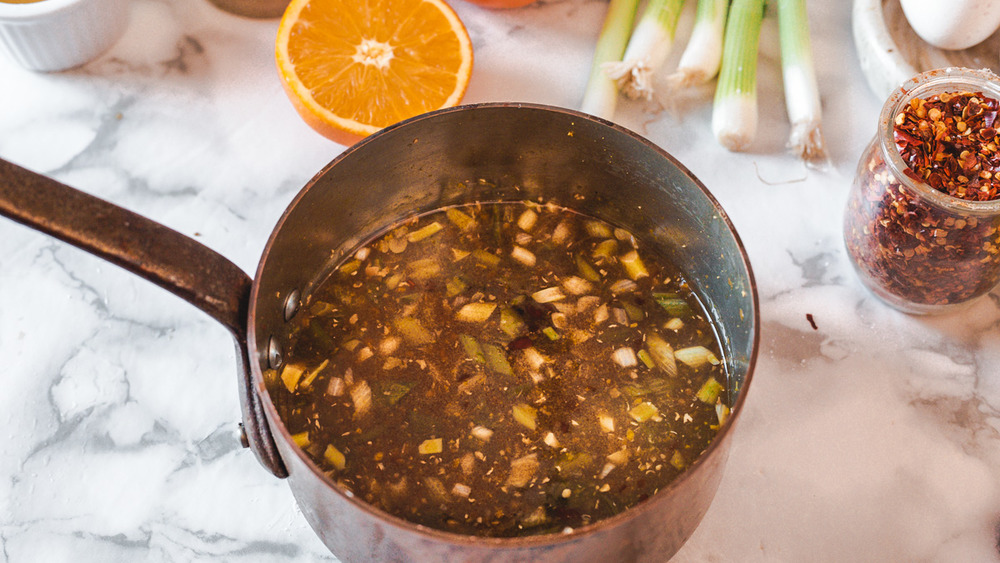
x,y
872,436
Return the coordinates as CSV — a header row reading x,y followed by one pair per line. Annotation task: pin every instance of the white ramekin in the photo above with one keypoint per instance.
x,y
52,35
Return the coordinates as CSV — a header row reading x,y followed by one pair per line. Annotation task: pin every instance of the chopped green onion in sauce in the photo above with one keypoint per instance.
x,y
503,369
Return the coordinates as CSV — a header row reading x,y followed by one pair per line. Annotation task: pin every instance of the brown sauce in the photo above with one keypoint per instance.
x,y
502,370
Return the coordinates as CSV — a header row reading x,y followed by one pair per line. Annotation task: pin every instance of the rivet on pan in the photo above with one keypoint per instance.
x,y
244,439
274,358
291,304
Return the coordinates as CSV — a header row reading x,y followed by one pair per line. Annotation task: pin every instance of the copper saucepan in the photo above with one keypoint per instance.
x,y
486,152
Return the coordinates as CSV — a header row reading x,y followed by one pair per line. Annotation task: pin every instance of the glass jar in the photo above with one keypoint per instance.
x,y
918,248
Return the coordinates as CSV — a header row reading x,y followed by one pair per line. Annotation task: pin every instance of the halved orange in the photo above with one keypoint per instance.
x,y
352,67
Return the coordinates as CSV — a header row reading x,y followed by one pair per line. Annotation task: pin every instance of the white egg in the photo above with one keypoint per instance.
x,y
952,24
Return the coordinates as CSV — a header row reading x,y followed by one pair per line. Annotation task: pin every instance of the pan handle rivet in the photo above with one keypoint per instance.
x,y
274,359
291,305
244,439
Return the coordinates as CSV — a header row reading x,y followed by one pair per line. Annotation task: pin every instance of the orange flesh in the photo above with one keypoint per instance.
x,y
374,62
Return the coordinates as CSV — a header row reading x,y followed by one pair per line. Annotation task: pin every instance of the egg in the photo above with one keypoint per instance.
x,y
955,24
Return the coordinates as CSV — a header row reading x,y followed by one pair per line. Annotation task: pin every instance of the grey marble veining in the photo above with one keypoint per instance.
x,y
868,435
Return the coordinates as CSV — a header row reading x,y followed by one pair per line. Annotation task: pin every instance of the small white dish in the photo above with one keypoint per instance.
x,y
53,35
891,53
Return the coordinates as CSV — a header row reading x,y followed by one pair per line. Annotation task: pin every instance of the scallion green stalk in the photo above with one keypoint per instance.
x,y
701,57
734,114
799,76
647,50
601,94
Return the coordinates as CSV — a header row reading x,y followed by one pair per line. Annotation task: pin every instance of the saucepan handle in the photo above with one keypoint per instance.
x,y
173,261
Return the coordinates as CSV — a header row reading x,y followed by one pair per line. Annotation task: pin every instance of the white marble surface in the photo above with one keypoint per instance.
x,y
873,437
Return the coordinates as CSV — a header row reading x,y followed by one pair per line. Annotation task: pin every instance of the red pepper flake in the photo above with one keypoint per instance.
x,y
812,321
953,154
912,251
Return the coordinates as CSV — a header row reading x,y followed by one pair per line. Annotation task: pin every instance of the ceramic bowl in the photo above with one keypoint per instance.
x,y
890,52
53,35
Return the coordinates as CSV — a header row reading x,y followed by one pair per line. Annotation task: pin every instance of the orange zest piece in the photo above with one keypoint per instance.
x,y
352,67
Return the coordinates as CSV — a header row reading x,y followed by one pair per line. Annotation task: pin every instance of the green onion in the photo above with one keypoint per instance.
x,y
468,385
605,250
677,460
624,357
734,115
601,93
461,220
722,412
537,517
525,415
435,489
646,359
462,490
361,395
799,76
647,50
454,286
696,356
570,463
634,312
413,331
424,232
321,308
673,304
335,457
599,229
606,421
586,270
302,439
431,446
523,255
482,433
551,440
526,221
674,324
393,281
662,354
496,359
476,312
701,58
311,376
576,285
634,266
472,348
349,268
619,457
534,358
643,412
548,295
485,257
510,322
522,470
397,391
290,375
710,391
423,269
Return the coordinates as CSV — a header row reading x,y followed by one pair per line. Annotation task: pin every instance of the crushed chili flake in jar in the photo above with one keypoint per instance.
x,y
915,249
948,141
